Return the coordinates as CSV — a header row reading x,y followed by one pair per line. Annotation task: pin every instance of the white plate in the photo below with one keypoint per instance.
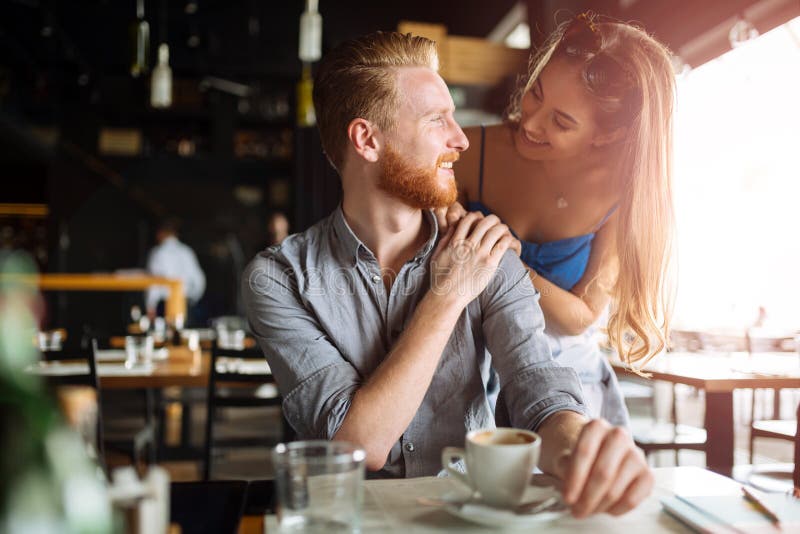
x,y
160,354
119,355
110,355
486,515
119,369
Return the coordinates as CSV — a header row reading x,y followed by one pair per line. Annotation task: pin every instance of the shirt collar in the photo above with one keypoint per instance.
x,y
353,245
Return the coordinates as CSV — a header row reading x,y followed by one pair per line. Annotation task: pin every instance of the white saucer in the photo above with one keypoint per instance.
x,y
483,514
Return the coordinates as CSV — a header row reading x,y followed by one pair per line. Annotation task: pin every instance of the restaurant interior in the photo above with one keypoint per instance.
x,y
135,400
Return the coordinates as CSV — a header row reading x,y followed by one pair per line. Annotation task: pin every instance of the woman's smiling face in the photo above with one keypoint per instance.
x,y
558,115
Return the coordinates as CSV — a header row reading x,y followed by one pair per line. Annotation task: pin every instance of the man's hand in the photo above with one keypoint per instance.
x,y
605,472
467,257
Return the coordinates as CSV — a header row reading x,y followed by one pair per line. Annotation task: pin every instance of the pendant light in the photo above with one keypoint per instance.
x,y
161,80
309,50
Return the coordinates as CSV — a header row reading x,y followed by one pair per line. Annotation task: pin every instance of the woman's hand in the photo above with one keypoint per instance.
x,y
447,217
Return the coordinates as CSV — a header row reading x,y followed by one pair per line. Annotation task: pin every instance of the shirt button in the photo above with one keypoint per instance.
x,y
376,278
410,447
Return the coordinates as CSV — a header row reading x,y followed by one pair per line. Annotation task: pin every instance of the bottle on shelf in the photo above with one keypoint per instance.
x,y
305,101
161,82
140,42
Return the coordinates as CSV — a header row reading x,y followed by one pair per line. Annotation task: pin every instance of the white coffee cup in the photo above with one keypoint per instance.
x,y
499,463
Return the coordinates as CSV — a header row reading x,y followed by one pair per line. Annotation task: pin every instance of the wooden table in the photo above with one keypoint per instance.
x,y
392,506
184,368
174,306
719,374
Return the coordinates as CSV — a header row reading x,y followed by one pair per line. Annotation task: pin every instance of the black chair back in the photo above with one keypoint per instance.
x,y
260,497
213,507
85,352
230,370
73,354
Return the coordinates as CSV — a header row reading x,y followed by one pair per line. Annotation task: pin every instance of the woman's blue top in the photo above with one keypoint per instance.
x,y
563,261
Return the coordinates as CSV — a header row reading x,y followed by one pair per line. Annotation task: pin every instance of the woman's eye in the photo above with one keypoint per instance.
x,y
559,125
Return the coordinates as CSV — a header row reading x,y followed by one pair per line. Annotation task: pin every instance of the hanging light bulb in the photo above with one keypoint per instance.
x,y
310,48
741,32
161,81
680,68
140,42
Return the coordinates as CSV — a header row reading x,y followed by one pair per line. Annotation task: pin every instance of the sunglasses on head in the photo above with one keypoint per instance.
x,y
582,39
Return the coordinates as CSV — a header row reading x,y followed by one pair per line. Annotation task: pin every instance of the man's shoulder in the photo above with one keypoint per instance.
x,y
293,253
511,276
297,246
185,249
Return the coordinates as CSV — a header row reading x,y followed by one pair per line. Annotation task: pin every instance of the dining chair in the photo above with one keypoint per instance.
x,y
260,497
208,506
652,435
774,477
240,379
78,353
129,425
772,427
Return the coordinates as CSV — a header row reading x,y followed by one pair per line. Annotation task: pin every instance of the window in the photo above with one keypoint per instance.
x,y
737,185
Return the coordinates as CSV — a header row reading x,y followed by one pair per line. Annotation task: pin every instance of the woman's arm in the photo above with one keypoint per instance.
x,y
572,312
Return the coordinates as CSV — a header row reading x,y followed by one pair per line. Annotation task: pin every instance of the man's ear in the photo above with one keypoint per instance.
x,y
365,138
609,137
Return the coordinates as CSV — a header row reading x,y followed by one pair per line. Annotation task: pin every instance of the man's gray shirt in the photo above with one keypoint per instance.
x,y
322,315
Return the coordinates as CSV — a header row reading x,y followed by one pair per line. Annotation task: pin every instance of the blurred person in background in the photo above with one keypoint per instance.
x,y
171,258
277,228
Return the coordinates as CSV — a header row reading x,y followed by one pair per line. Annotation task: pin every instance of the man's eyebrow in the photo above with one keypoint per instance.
x,y
437,111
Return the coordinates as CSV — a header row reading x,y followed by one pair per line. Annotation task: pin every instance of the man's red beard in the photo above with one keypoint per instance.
x,y
416,186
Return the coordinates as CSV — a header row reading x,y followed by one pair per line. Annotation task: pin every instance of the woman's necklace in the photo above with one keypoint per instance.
x,y
561,202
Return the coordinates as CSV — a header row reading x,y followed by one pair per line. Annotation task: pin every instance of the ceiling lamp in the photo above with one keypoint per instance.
x,y
741,32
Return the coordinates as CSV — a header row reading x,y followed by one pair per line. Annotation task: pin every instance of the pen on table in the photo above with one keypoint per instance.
x,y
761,505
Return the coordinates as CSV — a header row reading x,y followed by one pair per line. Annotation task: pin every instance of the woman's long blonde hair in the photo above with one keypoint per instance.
x,y
643,294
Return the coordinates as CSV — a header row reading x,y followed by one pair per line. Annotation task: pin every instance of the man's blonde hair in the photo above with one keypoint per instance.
x,y
357,79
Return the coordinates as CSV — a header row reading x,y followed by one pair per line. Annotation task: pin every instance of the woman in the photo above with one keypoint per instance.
x,y
580,172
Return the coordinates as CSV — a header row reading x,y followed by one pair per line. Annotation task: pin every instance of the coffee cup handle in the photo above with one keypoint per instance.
x,y
448,453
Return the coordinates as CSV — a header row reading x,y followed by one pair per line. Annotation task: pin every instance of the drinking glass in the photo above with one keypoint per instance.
x,y
320,486
230,339
138,350
49,341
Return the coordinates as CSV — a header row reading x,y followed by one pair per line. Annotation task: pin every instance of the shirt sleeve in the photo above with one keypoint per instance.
x,y
316,382
533,386
156,267
195,278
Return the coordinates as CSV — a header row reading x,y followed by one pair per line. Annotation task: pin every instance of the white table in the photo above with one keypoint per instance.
x,y
391,506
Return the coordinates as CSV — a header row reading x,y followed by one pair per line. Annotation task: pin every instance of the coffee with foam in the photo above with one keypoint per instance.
x,y
490,437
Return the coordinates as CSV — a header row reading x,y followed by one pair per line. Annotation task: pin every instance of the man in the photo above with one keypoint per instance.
x,y
172,259
377,330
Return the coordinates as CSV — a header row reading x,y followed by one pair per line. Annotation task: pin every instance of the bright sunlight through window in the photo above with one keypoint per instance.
x,y
737,185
